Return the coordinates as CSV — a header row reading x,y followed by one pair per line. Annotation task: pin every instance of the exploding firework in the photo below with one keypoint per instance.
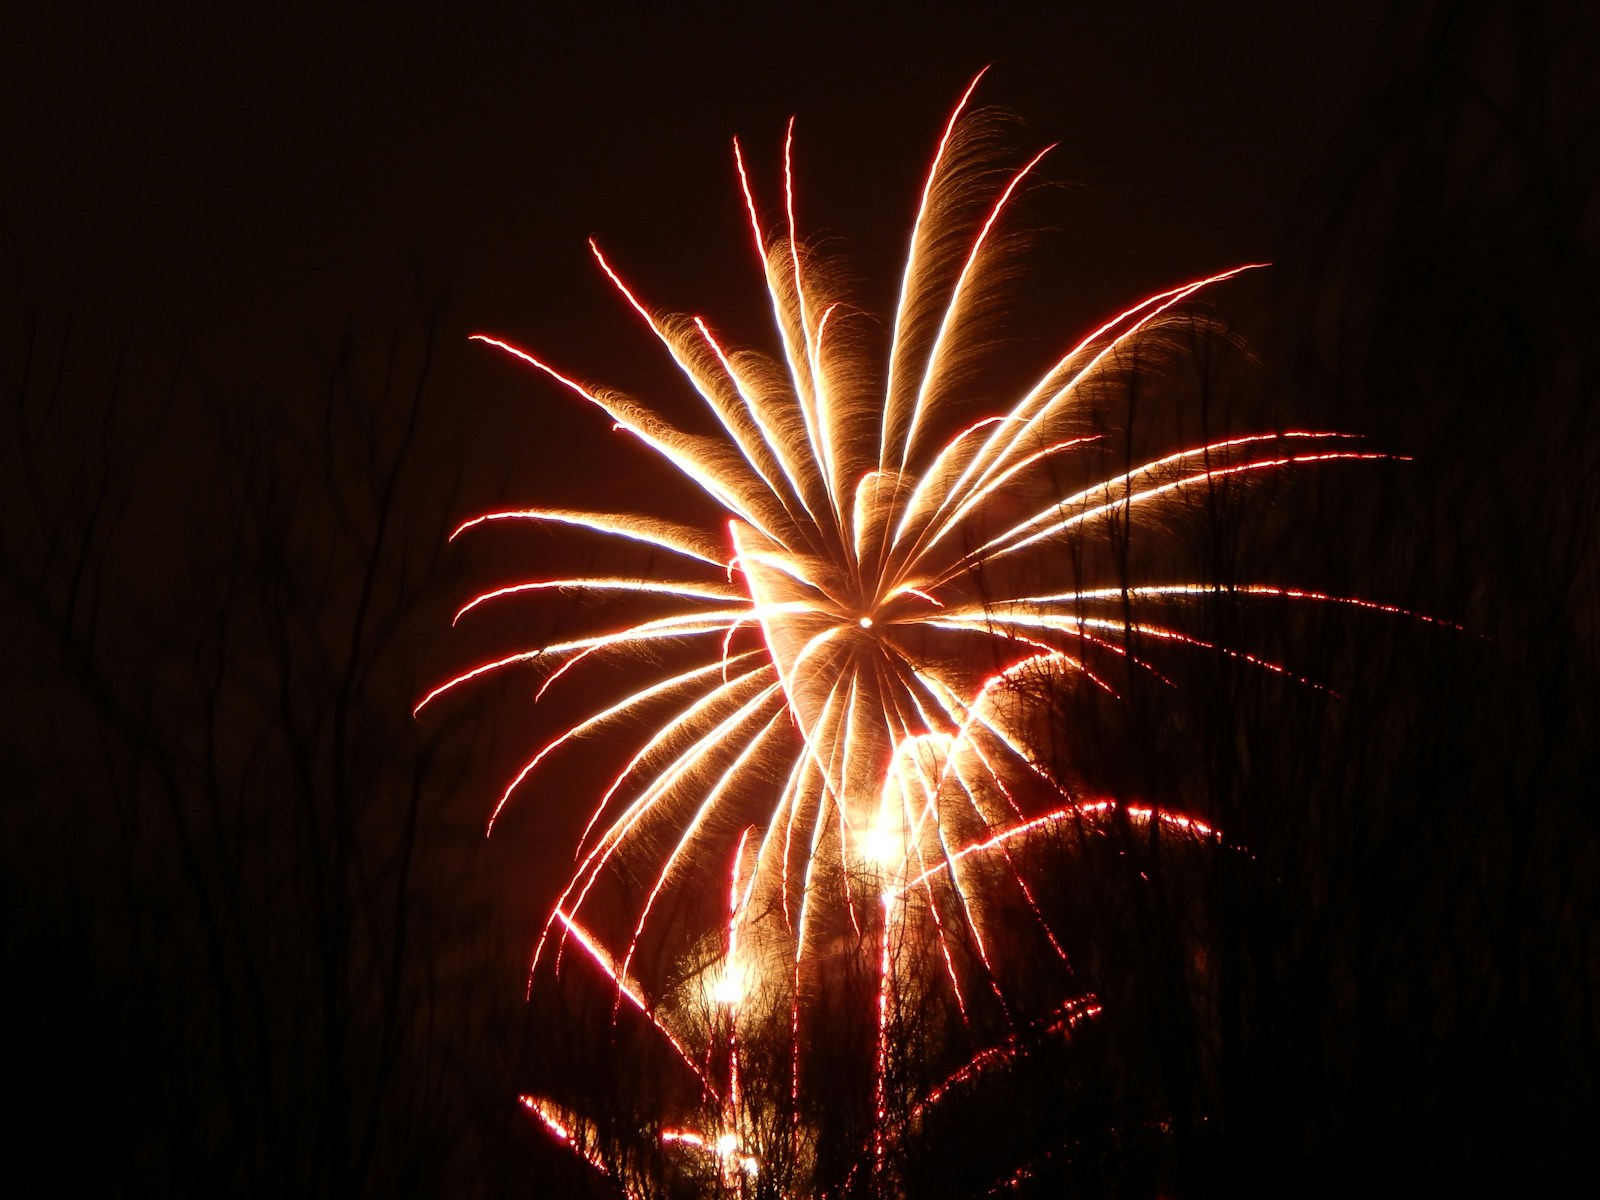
x,y
839,681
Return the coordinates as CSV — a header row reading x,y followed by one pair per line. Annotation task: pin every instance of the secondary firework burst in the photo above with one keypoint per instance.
x,y
841,749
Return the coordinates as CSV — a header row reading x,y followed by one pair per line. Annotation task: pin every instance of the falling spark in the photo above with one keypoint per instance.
x,y
832,677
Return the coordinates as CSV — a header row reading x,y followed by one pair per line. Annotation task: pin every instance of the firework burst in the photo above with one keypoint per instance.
x,y
838,745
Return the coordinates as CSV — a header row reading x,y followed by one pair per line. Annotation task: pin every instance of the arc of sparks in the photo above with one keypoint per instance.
x,y
840,654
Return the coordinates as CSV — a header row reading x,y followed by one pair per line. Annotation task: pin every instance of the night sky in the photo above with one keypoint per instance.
x,y
250,184
234,244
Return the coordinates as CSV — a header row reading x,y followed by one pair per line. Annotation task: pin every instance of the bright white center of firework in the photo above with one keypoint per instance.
x,y
865,622
727,1144
729,986
882,844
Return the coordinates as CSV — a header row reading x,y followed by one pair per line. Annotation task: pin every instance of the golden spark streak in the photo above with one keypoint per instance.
x,y
910,283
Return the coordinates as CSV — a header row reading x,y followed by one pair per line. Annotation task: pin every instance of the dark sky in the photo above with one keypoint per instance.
x,y
251,182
